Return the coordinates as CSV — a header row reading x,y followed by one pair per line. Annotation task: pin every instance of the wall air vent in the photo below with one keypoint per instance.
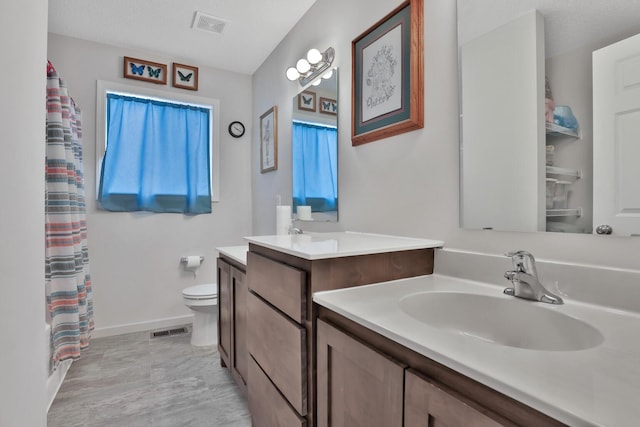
x,y
209,23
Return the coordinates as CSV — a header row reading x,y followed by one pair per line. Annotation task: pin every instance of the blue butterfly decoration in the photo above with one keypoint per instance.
x,y
307,101
154,73
183,77
136,69
326,105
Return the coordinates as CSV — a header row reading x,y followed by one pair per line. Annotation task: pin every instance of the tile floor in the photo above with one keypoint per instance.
x,y
134,381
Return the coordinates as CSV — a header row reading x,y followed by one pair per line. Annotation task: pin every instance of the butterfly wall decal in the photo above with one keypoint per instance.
x,y
136,69
154,73
183,77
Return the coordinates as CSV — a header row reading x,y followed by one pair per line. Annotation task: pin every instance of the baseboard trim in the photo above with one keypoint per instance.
x,y
55,380
141,326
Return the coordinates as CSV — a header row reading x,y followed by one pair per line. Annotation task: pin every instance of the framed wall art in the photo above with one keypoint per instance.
x,y
147,71
185,76
328,106
387,76
269,140
307,101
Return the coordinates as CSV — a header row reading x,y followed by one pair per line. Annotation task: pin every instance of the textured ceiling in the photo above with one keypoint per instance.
x,y
569,24
164,27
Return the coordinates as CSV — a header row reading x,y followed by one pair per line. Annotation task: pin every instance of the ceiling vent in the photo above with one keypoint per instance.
x,y
211,24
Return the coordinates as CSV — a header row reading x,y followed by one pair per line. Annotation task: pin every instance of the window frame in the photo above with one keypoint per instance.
x,y
103,87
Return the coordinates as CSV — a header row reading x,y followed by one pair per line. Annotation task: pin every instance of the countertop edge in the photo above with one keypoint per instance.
x,y
410,243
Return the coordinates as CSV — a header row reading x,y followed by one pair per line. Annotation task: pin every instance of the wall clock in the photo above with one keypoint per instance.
x,y
236,129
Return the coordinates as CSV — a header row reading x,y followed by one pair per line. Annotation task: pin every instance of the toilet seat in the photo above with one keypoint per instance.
x,y
200,292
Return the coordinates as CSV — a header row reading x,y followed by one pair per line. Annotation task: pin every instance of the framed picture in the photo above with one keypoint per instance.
x,y
387,76
269,140
328,106
185,76
148,71
307,101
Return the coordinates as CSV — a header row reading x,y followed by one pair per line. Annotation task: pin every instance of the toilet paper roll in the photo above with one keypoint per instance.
x,y
283,219
193,261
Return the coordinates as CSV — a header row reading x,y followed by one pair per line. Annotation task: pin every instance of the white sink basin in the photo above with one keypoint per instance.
x,y
507,321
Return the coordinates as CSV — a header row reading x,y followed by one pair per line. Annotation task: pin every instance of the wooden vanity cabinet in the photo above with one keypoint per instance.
x,y
232,320
282,328
433,395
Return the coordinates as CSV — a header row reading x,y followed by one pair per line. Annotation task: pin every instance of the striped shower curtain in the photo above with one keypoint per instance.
x,y
67,278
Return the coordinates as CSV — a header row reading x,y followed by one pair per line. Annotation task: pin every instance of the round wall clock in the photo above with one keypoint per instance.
x,y
236,129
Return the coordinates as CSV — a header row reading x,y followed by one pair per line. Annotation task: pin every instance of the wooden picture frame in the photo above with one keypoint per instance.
x,y
328,106
388,76
307,101
269,140
185,76
148,71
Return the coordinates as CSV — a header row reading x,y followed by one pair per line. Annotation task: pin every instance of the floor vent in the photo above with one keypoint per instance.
x,y
209,23
170,332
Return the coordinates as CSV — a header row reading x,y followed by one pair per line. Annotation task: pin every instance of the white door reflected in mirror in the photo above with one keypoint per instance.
x,y
616,126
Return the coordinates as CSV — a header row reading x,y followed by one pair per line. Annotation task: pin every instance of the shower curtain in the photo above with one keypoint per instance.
x,y
67,278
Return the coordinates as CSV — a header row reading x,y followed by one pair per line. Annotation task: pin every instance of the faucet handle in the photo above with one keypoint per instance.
x,y
521,259
520,254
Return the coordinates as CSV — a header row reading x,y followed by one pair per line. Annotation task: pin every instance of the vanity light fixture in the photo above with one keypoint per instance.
x,y
314,65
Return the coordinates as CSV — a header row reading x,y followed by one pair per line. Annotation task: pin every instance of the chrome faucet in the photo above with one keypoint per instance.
x,y
525,279
293,229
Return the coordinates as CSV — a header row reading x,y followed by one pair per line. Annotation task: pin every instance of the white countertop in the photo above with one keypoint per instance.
x,y
236,253
340,244
599,386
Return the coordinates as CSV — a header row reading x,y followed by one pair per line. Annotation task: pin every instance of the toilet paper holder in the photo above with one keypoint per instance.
x,y
185,259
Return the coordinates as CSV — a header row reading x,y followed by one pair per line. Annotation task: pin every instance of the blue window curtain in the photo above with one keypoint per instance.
x,y
315,166
157,157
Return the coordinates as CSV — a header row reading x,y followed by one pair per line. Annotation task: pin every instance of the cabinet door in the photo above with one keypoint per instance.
x,y
357,386
239,354
224,312
427,405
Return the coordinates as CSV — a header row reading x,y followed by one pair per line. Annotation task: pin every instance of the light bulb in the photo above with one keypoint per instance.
x,y
314,56
292,73
303,66
317,82
328,74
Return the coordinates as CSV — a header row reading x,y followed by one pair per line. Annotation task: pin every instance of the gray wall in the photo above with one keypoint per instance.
x,y
408,184
137,279
22,116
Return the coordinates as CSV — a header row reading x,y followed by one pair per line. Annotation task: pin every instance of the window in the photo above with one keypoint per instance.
x,y
315,166
158,154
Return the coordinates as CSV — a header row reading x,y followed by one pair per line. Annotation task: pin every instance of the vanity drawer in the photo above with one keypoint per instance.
x,y
279,346
267,406
281,285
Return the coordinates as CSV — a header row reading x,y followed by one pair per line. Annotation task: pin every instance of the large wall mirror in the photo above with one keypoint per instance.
x,y
550,115
314,151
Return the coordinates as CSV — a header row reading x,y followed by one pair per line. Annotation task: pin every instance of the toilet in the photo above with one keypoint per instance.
x,y
202,299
